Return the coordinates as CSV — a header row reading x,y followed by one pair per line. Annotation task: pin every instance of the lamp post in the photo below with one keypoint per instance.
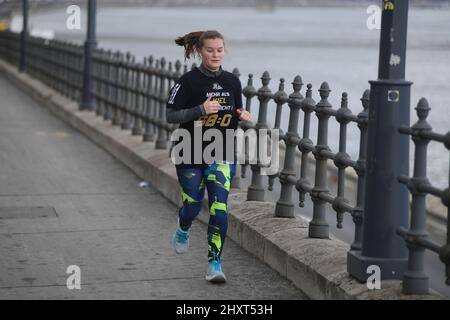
x,y
23,36
386,200
87,99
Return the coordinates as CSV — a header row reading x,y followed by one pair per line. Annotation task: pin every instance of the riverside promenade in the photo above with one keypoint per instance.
x,y
317,267
65,201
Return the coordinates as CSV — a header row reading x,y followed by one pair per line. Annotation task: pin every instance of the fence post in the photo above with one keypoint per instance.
x,y
108,90
303,185
236,181
137,105
285,206
249,92
386,200
280,98
126,122
161,141
255,191
318,227
414,279
149,102
357,214
341,114
117,88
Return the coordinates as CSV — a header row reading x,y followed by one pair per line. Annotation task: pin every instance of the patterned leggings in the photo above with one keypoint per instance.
x,y
217,178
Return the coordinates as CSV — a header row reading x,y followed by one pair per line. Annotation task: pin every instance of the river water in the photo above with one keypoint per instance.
x,y
319,44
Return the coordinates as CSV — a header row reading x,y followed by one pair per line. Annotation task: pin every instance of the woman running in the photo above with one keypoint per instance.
x,y
206,98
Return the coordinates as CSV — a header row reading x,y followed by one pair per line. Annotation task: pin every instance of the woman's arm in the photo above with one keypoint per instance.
x,y
184,115
176,111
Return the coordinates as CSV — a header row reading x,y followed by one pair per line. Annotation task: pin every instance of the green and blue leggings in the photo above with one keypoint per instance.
x,y
217,179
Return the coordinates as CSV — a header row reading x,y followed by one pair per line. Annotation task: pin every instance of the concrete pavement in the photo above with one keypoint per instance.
x,y
64,201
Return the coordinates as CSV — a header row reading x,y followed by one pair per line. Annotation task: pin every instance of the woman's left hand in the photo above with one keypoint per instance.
x,y
244,115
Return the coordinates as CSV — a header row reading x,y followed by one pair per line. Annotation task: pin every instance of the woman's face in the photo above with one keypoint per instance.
x,y
212,53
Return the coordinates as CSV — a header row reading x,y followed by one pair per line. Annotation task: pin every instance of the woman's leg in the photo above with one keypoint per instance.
x,y
218,179
192,188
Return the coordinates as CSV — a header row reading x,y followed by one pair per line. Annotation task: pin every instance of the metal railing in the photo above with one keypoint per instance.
x,y
133,95
10,47
318,227
414,279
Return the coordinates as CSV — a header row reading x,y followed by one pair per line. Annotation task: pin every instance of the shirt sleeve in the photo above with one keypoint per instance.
x,y
176,110
179,95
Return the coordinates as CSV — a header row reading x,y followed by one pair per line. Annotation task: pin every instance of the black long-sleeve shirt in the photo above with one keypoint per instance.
x,y
185,106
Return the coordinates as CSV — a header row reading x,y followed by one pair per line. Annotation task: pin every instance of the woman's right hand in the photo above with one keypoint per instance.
x,y
211,106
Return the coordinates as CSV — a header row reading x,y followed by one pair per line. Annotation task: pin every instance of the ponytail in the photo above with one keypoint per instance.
x,y
194,40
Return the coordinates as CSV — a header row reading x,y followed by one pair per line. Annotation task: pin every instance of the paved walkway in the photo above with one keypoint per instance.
x,y
64,201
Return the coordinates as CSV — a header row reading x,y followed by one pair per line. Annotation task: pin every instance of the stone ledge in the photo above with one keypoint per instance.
x,y
315,266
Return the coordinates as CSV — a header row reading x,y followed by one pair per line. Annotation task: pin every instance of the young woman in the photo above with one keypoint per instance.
x,y
208,98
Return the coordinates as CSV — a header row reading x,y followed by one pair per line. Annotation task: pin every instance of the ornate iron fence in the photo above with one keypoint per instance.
x,y
133,95
414,279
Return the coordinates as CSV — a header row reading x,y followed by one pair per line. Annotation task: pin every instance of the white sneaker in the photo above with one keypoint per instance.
x,y
180,240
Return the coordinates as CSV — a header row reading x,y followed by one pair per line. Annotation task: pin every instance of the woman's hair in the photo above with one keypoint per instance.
x,y
195,40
